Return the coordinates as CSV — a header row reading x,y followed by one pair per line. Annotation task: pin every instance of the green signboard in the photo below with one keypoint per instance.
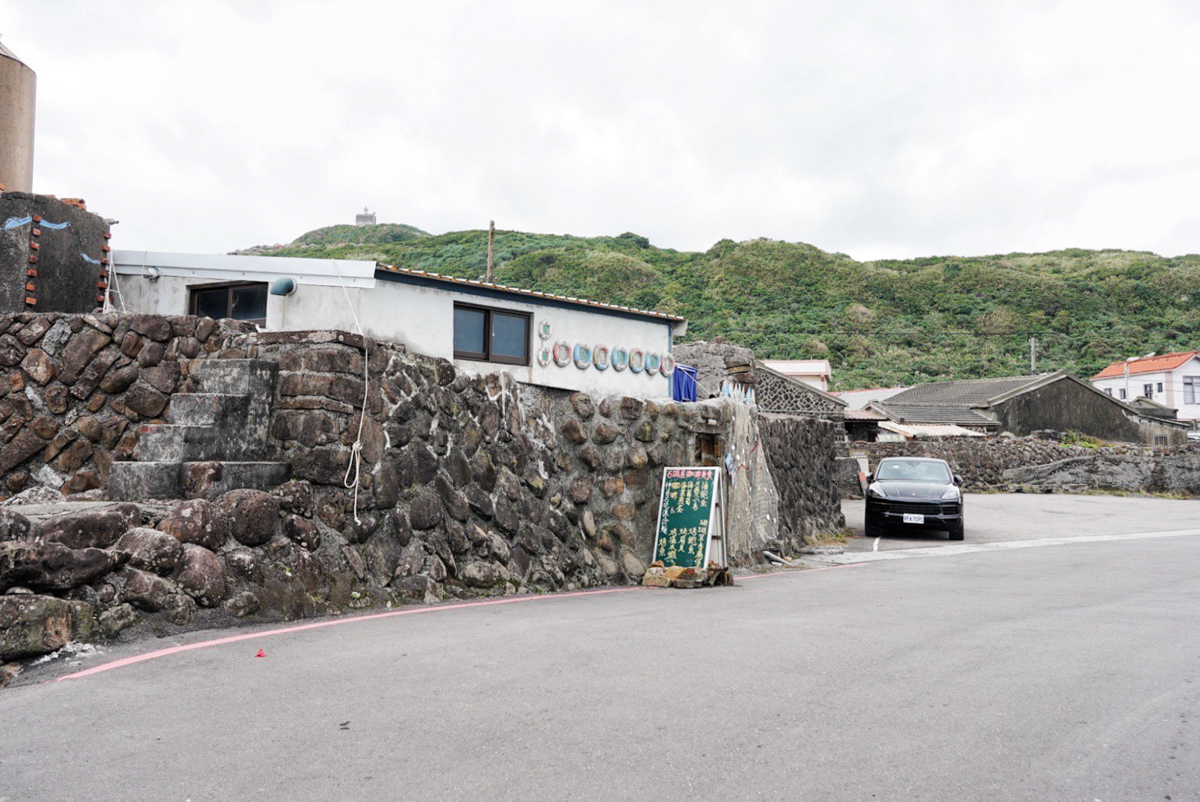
x,y
686,521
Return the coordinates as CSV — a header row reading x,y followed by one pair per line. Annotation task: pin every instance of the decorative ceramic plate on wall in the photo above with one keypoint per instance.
x,y
668,365
600,357
653,363
562,353
544,329
637,360
583,356
543,356
620,358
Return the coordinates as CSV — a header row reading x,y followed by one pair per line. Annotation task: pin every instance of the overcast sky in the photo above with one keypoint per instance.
x,y
879,129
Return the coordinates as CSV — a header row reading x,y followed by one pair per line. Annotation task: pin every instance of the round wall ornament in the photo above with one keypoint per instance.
x,y
637,360
600,357
583,356
562,353
543,356
668,365
544,329
653,363
620,358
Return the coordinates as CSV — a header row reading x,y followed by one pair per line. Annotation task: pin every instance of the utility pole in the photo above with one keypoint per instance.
x,y
1032,356
491,247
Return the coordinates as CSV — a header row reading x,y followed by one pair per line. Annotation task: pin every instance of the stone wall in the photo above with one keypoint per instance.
x,y
1033,464
73,388
468,485
802,455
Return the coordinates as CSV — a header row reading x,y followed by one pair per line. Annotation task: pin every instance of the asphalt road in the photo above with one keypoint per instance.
x,y
1056,672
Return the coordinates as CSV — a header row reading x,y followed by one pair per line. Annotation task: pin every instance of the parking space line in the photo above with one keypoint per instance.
x,y
853,558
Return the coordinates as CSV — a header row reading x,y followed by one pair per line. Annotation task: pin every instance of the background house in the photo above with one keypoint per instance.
x,y
537,338
1172,380
1022,405
813,372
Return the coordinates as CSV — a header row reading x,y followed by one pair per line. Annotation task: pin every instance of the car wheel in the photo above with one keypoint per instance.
x,y
957,534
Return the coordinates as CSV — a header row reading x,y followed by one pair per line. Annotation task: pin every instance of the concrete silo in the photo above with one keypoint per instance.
x,y
18,89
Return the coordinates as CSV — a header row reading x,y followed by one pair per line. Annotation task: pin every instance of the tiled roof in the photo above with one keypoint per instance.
x,y
1151,364
404,271
929,413
971,392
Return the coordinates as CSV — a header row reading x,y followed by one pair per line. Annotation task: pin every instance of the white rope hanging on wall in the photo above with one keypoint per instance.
x,y
354,469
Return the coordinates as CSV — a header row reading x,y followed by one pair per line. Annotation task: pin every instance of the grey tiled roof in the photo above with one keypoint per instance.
x,y
931,413
971,392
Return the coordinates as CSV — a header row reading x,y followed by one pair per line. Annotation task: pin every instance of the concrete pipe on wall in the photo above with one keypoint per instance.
x,y
18,92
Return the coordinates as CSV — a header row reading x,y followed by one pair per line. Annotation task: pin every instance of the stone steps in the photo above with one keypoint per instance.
x,y
206,409
219,434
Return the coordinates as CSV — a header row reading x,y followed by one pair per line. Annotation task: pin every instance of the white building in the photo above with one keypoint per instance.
x,y
813,372
547,340
1172,380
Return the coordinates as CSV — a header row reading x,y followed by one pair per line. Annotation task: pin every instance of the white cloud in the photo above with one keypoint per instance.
x,y
874,128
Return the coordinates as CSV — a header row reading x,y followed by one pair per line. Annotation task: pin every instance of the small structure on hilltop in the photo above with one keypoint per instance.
x,y
1022,405
365,219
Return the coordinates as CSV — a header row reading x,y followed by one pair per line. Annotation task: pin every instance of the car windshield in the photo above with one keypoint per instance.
x,y
913,471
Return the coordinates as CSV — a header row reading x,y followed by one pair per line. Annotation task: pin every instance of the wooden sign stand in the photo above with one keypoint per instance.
x,y
691,522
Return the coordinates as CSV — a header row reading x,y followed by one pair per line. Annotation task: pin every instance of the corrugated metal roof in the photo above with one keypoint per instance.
x,y
930,430
526,293
1152,364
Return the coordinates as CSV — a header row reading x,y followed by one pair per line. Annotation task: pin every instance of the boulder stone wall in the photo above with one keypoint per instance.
x,y
467,485
1040,464
802,454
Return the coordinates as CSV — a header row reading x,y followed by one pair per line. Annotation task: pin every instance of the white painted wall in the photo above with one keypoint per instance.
x,y
422,318
1172,382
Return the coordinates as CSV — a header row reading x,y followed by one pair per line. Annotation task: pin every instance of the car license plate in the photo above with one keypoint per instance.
x,y
910,518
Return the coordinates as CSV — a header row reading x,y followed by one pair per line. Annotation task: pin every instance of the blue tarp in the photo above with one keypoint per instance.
x,y
683,383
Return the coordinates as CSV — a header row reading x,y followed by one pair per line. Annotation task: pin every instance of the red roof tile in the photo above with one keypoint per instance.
x,y
1151,364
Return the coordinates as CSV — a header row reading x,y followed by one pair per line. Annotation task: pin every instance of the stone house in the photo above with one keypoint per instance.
x,y
538,339
1022,405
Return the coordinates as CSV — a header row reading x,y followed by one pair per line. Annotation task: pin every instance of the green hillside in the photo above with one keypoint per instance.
x,y
879,323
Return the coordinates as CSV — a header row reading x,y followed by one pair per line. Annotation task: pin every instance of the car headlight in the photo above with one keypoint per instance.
x,y
951,494
875,491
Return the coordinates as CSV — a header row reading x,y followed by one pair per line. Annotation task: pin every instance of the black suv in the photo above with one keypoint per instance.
x,y
914,493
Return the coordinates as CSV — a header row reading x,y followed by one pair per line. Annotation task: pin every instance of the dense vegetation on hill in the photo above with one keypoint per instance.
x,y
880,323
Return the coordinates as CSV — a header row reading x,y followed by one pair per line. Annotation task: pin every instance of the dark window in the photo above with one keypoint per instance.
x,y
1148,390
491,335
1159,388
239,301
1160,440
1122,393
1108,390
1190,385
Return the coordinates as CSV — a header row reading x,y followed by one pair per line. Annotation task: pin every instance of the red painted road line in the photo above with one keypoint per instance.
x,y
141,658
188,647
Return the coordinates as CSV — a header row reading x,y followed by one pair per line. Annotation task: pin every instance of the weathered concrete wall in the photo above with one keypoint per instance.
x,y
53,256
715,361
1067,406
